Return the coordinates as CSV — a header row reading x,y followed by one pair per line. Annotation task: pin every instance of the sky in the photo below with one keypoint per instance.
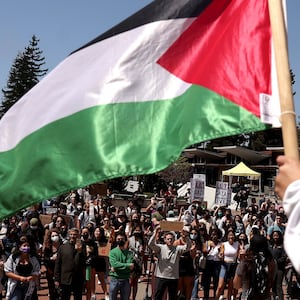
x,y
64,26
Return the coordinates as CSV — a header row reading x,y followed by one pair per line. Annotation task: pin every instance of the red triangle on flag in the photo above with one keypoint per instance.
x,y
227,49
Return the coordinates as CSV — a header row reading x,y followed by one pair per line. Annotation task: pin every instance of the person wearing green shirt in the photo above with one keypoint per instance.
x,y
121,261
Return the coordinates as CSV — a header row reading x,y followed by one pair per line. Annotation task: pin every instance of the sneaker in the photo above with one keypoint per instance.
x,y
221,297
106,297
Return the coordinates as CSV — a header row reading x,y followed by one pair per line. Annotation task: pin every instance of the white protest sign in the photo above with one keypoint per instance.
x,y
197,187
223,193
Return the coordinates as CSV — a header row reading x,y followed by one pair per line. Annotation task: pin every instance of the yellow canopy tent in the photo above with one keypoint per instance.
x,y
242,170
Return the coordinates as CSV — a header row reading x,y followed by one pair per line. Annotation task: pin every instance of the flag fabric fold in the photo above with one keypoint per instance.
x,y
128,102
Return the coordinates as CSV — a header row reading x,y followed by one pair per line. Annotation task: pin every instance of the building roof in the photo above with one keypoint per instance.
x,y
208,155
251,156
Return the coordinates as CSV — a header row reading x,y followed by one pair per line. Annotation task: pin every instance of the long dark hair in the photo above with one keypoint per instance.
x,y
280,238
102,239
24,239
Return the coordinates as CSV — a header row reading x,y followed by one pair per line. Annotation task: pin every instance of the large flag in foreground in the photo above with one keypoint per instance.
x,y
174,74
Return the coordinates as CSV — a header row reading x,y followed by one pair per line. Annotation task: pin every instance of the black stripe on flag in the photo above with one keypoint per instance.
x,y
156,11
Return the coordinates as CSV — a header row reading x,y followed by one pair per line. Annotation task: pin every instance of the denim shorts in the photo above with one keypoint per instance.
x,y
227,270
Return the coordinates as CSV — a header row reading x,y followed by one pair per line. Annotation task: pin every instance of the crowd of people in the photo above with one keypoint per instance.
x,y
227,252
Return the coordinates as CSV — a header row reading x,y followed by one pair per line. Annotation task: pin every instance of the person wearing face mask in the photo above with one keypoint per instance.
x,y
186,265
51,244
121,261
101,262
85,234
134,221
22,269
197,241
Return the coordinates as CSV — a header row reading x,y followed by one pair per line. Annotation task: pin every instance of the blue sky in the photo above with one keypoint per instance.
x,y
64,26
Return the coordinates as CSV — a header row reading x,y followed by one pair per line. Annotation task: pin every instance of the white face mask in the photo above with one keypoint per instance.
x,y
55,238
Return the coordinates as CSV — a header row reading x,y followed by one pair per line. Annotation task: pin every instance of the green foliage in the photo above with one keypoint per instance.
x,y
25,73
180,171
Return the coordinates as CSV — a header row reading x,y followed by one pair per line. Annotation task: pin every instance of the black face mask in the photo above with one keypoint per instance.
x,y
85,236
137,234
121,243
148,224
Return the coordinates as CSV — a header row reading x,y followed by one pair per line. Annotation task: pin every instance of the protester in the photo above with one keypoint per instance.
x,y
22,269
278,253
186,266
3,258
277,226
69,266
211,250
100,263
229,253
137,247
106,213
50,248
120,222
167,269
121,262
288,188
86,216
90,252
196,251
263,266
241,279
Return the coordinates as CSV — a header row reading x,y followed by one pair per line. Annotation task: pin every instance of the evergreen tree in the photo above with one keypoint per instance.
x,y
25,73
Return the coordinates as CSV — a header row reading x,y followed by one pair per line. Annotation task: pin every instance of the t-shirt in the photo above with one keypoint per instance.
x,y
230,252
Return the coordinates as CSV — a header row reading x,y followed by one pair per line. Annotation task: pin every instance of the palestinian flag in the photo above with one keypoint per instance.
x,y
173,74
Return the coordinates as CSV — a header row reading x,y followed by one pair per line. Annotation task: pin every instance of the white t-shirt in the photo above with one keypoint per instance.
x,y
291,204
230,252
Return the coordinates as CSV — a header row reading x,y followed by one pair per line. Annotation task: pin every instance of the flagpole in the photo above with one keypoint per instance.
x,y
288,115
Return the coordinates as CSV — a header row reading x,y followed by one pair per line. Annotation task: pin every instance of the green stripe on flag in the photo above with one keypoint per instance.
x,y
114,140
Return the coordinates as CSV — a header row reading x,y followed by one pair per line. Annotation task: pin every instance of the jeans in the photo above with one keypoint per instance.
x,y
121,285
20,291
196,287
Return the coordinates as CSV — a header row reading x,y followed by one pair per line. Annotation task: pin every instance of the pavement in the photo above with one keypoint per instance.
x,y
141,295
43,291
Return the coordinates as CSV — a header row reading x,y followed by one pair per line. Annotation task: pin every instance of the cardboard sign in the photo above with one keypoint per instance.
x,y
197,187
223,193
171,226
104,251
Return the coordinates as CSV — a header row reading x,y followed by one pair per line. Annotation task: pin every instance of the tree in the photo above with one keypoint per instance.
x,y
179,171
25,73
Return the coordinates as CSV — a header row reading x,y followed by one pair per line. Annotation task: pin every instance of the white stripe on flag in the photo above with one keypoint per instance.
x,y
120,69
